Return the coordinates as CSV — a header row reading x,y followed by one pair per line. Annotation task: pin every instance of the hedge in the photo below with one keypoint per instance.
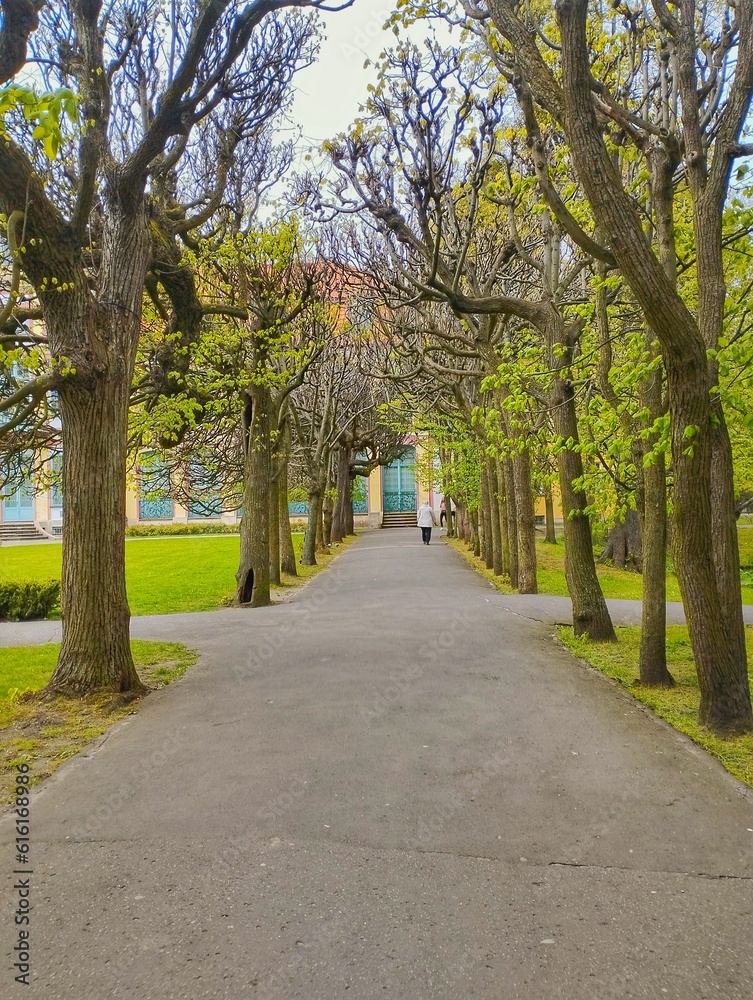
x,y
147,530
24,600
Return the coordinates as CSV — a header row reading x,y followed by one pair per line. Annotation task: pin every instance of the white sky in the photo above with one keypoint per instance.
x,y
330,91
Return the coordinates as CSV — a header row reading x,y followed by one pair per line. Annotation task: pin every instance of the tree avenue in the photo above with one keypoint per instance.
x,y
705,139
531,250
149,85
646,105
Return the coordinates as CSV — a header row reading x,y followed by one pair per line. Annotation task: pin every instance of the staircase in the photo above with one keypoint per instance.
x,y
399,519
24,531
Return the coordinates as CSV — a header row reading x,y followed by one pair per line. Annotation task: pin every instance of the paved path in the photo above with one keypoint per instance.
x,y
390,787
545,608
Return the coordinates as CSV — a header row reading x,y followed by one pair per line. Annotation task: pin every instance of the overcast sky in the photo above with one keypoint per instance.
x,y
330,91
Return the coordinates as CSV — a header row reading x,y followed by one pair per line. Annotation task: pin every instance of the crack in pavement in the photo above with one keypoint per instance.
x,y
648,871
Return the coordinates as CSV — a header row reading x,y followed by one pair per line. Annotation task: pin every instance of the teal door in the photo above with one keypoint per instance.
x,y
18,505
399,483
154,489
205,501
360,495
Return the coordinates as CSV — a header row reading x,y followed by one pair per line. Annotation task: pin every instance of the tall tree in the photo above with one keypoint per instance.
x,y
709,72
681,101
421,169
145,81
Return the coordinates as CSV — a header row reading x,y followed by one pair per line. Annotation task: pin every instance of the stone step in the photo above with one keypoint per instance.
x,y
399,519
22,532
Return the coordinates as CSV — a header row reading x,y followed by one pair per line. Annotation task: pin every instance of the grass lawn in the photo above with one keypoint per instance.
x,y
615,583
163,575
678,705
745,543
44,733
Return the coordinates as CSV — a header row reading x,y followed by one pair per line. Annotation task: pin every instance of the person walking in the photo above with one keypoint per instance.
x,y
426,519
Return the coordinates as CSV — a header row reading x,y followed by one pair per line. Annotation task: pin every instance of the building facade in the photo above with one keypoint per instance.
x,y
391,488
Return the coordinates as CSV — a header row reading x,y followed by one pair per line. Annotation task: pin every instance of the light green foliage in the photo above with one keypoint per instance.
x,y
613,426
272,319
44,111
512,416
459,466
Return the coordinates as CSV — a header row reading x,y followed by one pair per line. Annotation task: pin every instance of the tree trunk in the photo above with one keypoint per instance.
x,y
274,530
451,526
287,552
462,519
724,532
253,572
99,341
651,499
624,545
551,536
512,521
475,536
308,556
497,551
95,652
722,671
350,528
502,514
339,514
526,523
485,519
590,612
327,512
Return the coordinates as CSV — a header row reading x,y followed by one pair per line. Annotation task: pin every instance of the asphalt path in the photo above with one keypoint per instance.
x,y
391,786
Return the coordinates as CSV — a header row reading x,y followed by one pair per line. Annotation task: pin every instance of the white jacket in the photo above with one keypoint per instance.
x,y
426,516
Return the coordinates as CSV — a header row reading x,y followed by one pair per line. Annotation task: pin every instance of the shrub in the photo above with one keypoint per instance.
x,y
148,530
24,600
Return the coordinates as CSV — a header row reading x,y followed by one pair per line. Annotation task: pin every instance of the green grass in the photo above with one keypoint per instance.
x,y
28,668
745,543
678,705
615,583
163,575
44,732
25,668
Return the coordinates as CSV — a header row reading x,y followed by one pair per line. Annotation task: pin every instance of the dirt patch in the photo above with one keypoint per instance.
x,y
44,732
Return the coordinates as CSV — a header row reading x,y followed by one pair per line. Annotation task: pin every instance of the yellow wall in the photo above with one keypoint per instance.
x,y
132,505
375,490
540,506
